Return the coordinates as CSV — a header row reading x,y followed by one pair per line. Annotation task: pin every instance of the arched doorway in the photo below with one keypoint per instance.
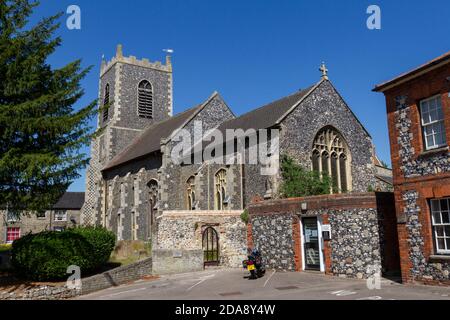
x,y
210,240
153,207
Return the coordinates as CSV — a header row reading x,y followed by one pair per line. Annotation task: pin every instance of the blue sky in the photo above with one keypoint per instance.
x,y
257,51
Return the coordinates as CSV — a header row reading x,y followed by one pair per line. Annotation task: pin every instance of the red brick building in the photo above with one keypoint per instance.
x,y
418,107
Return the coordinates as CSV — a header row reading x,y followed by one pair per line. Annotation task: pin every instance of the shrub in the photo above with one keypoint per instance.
x,y
101,239
299,182
245,216
5,247
46,255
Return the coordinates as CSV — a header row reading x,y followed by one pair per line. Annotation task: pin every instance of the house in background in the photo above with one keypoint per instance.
x,y
418,107
64,214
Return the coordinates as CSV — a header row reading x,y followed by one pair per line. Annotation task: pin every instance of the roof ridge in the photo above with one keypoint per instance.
x,y
277,100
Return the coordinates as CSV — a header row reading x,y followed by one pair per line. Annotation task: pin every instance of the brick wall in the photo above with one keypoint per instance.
x,y
414,91
419,175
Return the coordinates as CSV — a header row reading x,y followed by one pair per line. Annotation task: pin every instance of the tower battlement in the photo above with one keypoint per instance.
x,y
146,63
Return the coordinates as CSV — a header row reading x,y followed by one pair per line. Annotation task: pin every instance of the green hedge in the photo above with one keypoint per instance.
x,y
46,255
5,247
102,241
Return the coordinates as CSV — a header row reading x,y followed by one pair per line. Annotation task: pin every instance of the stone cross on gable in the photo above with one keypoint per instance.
x,y
324,71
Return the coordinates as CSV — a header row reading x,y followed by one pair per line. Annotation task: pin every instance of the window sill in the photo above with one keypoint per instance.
x,y
433,152
439,257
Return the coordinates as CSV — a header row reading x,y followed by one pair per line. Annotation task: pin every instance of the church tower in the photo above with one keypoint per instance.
x,y
133,94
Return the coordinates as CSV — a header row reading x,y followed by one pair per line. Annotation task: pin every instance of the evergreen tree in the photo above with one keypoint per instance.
x,y
384,164
41,133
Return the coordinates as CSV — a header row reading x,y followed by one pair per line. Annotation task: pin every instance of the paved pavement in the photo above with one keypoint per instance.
x,y
230,284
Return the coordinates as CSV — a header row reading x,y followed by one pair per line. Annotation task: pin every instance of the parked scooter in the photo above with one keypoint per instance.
x,y
254,264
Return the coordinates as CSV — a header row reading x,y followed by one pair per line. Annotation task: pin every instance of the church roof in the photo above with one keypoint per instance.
x,y
150,139
387,179
273,113
267,115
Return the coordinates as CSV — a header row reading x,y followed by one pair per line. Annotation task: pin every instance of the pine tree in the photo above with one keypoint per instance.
x,y
41,133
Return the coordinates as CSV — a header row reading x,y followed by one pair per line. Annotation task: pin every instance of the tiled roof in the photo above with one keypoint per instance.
x,y
70,200
387,179
267,115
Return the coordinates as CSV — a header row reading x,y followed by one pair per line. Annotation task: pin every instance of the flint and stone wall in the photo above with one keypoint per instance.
x,y
123,75
182,230
44,292
173,177
91,284
360,226
325,107
117,276
421,267
168,261
135,203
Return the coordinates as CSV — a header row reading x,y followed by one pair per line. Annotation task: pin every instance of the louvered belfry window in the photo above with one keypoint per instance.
x,y
145,99
106,103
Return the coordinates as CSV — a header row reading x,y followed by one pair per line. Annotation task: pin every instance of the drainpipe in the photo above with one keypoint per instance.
x,y
208,186
242,185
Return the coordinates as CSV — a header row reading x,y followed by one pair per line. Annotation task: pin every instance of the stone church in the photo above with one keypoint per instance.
x,y
132,178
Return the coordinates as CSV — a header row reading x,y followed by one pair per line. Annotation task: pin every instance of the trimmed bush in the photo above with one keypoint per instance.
x,y
102,240
46,255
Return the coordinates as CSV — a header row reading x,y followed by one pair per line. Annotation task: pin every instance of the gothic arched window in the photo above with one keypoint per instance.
x,y
220,188
316,160
145,99
330,156
190,193
152,189
106,103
